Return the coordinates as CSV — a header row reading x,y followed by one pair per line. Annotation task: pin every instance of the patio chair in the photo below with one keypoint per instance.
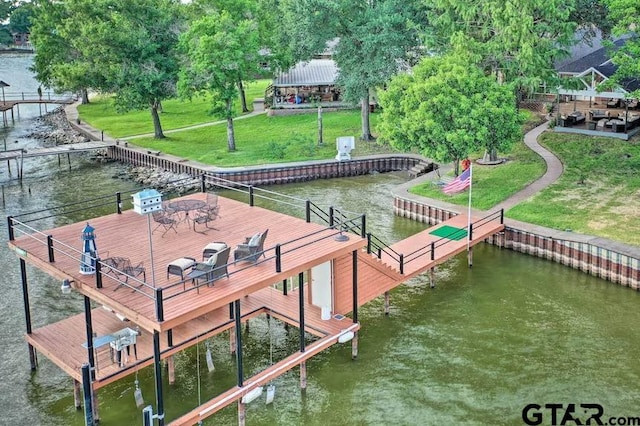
x,y
613,103
212,199
251,249
206,215
211,270
121,267
164,219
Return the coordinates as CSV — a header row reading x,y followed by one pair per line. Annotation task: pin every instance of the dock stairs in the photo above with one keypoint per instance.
x,y
421,168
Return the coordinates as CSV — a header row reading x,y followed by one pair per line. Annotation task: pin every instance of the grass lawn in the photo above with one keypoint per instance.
x,y
492,184
264,139
176,113
597,192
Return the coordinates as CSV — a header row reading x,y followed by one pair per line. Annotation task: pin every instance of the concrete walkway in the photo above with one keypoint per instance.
x,y
553,173
195,126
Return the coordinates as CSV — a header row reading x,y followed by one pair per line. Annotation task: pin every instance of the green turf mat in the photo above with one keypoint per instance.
x,y
450,232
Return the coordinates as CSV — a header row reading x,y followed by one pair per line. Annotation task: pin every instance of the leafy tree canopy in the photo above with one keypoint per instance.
x,y
626,15
447,108
517,40
376,39
220,50
20,18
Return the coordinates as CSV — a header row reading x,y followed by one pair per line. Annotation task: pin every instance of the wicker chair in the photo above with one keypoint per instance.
x,y
211,270
252,248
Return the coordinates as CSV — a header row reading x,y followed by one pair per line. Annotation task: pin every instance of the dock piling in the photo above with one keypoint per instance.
x,y
77,394
303,375
354,346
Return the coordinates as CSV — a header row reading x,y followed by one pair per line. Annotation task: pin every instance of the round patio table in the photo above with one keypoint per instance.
x,y
186,206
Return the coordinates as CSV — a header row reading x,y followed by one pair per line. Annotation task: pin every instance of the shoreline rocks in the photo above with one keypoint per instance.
x,y
54,129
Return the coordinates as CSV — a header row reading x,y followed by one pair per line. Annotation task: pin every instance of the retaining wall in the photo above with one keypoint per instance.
x,y
611,265
271,174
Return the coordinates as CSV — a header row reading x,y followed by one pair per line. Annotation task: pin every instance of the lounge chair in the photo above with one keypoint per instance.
x,y
613,103
251,249
211,270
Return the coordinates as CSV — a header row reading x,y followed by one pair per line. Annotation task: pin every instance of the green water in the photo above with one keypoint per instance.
x,y
475,350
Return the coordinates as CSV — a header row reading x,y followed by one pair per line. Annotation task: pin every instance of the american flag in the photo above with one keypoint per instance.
x,y
458,184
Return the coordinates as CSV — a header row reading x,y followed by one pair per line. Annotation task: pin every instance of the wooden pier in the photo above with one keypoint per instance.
x,y
20,154
164,305
8,105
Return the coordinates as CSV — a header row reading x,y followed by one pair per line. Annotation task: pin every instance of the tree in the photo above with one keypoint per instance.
x,y
517,41
59,62
220,50
135,41
20,18
626,15
376,39
590,16
447,108
6,6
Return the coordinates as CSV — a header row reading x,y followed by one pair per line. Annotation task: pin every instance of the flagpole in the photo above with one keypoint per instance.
x,y
469,210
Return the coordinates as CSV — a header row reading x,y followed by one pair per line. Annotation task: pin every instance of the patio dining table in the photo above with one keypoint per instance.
x,y
186,206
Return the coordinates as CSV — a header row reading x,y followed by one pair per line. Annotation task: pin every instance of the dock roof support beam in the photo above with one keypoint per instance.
x,y
89,331
238,321
301,309
354,341
354,257
158,376
27,312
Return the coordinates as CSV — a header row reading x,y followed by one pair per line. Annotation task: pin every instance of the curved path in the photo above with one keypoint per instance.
x,y
194,126
553,172
554,169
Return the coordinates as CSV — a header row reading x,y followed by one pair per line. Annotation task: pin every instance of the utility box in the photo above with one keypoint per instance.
x,y
344,145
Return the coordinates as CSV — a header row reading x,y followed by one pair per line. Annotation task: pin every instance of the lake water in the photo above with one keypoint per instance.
x,y
475,350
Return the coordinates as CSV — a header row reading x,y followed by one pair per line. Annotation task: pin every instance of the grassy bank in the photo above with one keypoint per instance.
x,y
262,139
492,184
597,192
176,113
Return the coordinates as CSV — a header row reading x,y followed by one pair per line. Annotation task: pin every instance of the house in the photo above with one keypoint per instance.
x,y
610,112
305,85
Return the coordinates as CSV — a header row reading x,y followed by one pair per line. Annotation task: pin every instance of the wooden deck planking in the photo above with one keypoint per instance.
x,y
127,235
260,379
62,341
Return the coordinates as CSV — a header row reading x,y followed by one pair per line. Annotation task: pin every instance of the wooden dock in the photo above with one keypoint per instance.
x,y
165,304
14,154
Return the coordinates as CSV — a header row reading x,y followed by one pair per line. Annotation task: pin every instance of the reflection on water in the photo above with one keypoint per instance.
x,y
475,350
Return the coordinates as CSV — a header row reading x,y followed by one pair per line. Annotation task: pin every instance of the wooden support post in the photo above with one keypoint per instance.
x,y
242,413
232,342
432,277
386,303
69,160
354,345
94,398
303,375
77,394
470,257
171,366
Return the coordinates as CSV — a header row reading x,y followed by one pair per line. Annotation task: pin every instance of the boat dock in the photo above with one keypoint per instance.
x,y
312,273
20,154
